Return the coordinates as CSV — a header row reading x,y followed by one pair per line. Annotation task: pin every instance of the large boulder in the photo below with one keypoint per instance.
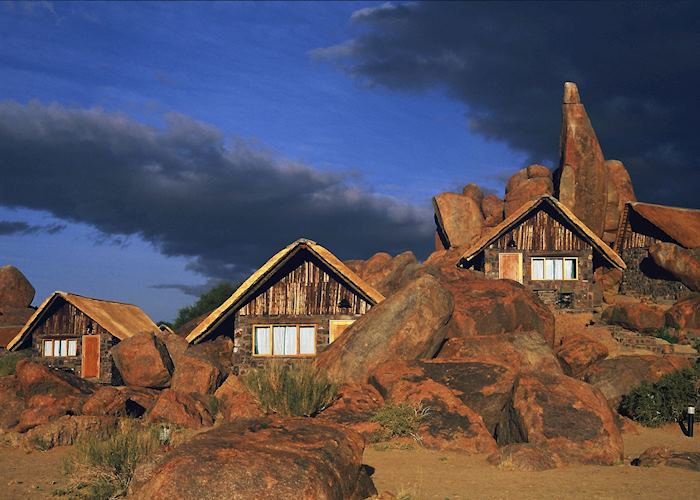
x,y
566,416
176,345
608,279
38,379
120,402
581,179
407,325
143,361
67,430
43,408
579,351
619,192
386,273
683,264
355,407
617,376
196,374
236,401
264,458
448,423
525,185
685,314
12,320
496,307
459,217
635,316
11,403
492,208
184,410
15,288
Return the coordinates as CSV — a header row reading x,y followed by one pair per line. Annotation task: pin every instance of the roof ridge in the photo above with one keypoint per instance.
x,y
635,203
62,293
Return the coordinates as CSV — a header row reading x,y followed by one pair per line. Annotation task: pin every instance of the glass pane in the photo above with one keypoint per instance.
x,y
64,347
72,347
48,348
262,340
570,269
278,340
558,269
307,340
548,269
290,340
56,348
537,269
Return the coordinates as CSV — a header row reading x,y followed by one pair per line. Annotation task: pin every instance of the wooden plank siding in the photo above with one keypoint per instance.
x,y
303,287
542,231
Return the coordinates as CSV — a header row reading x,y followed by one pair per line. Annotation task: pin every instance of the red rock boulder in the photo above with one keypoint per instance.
x,y
615,377
609,280
68,430
196,374
681,263
11,403
619,192
407,325
581,179
635,316
355,407
448,423
120,402
459,218
685,314
653,457
578,351
566,416
15,289
236,401
180,409
525,185
386,273
265,458
492,207
143,361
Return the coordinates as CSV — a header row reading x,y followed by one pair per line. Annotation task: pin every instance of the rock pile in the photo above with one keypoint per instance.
x,y
16,296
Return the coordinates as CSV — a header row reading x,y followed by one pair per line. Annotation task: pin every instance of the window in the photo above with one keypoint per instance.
x,y
550,268
284,340
59,348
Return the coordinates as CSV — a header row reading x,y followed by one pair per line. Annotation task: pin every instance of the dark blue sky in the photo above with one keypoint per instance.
x,y
149,148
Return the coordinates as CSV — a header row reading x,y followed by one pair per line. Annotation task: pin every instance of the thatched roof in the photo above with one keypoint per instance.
x,y
119,319
260,277
680,224
516,217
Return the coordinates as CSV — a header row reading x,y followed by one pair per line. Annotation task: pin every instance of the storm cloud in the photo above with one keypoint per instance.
x,y
13,228
635,64
187,191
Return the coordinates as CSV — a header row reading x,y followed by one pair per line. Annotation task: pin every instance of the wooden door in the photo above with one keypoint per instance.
x,y
510,266
338,326
91,356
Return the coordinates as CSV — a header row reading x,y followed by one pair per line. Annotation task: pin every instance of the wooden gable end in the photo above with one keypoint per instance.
x,y
637,232
64,319
544,229
304,286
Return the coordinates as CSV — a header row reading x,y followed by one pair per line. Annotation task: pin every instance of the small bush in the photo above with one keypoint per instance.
x,y
400,420
664,334
656,404
101,467
213,405
298,390
9,360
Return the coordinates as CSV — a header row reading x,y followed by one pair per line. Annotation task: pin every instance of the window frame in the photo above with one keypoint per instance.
x,y
544,259
53,341
272,343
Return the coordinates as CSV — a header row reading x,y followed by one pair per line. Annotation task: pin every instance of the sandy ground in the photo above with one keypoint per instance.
x,y
420,473
423,474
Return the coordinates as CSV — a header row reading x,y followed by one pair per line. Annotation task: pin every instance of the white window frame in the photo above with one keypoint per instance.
x,y
59,348
272,353
547,276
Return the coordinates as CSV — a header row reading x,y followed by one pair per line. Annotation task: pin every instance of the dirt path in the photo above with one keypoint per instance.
x,y
31,474
424,474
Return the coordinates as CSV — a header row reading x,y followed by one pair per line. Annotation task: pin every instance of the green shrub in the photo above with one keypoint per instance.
x,y
213,405
298,390
400,420
102,466
9,360
663,333
655,404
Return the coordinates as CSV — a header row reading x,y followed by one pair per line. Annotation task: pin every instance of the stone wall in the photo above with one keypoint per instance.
x,y
574,294
643,278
